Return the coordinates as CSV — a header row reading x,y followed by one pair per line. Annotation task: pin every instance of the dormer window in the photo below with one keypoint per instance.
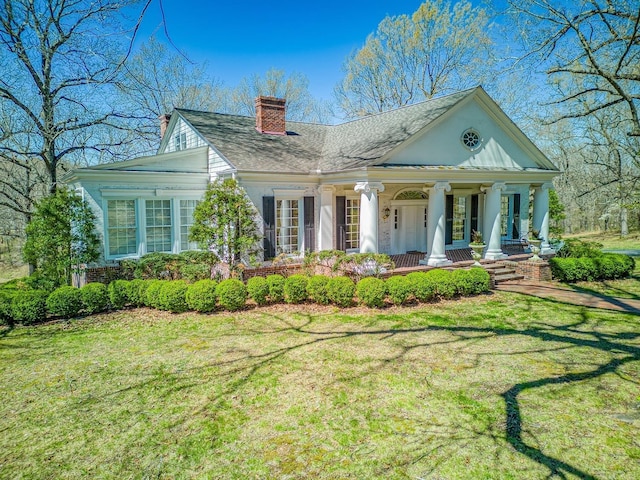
x,y
180,141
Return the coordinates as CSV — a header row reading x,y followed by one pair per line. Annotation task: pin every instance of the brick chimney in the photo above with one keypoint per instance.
x,y
270,115
164,122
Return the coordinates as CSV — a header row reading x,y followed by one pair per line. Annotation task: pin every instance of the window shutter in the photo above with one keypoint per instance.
x,y
341,222
448,235
474,212
269,217
309,224
516,216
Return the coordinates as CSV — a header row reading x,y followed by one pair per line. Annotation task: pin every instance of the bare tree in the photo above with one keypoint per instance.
x,y
301,106
591,52
59,61
439,48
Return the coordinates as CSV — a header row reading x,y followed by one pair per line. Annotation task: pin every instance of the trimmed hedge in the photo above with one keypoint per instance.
x,y
95,297
152,293
371,291
606,266
258,290
445,285
29,306
201,296
6,313
276,288
424,287
232,294
340,291
399,288
295,288
172,296
317,289
65,302
118,293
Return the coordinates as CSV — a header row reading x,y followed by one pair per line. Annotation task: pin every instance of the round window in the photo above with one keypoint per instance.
x,y
471,139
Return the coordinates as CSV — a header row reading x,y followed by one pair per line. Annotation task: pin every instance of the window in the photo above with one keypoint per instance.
x,y
180,141
471,139
352,232
187,208
158,217
459,217
121,227
504,215
287,226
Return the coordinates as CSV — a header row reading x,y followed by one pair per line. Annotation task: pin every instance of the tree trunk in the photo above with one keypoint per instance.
x,y
624,224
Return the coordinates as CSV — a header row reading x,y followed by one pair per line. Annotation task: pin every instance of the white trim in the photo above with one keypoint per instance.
x,y
288,193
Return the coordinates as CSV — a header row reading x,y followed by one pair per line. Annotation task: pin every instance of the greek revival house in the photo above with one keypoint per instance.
x,y
416,179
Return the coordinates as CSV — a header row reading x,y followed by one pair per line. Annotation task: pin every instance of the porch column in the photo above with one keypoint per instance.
x,y
541,215
436,225
369,215
325,239
493,220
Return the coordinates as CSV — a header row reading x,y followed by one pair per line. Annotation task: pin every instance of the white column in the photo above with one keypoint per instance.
x,y
325,237
541,215
436,225
493,220
369,215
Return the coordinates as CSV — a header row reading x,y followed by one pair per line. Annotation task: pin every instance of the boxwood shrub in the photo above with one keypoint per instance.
x,y
340,291
118,293
258,290
478,279
29,306
6,314
276,287
371,291
295,288
606,266
65,302
172,296
445,286
232,294
317,289
423,286
201,296
95,297
152,293
399,289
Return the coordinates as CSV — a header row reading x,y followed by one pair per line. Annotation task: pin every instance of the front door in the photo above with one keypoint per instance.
x,y
409,228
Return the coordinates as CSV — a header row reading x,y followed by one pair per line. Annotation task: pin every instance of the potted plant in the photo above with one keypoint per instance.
x,y
477,245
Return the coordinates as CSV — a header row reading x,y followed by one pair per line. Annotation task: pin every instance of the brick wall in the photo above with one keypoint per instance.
x,y
539,271
270,115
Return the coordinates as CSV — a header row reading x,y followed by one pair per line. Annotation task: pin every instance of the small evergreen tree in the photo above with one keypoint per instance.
x,y
225,223
60,236
556,213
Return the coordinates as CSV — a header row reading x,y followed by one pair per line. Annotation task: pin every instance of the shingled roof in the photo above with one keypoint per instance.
x,y
311,147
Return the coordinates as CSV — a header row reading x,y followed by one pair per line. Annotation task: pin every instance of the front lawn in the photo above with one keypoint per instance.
x,y
500,386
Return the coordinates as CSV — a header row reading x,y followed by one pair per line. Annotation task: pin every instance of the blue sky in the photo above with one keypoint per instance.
x,y
237,39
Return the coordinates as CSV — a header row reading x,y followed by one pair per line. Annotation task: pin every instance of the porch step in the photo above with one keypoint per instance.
x,y
507,277
503,273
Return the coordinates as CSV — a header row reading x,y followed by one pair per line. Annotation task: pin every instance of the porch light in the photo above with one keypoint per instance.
x,y
385,213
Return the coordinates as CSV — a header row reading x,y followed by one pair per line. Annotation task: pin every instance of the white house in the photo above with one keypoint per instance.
x,y
419,178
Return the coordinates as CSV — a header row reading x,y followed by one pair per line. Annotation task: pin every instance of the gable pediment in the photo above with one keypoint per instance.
x,y
192,160
502,146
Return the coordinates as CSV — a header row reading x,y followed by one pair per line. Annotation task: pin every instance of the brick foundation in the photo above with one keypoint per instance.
x,y
539,271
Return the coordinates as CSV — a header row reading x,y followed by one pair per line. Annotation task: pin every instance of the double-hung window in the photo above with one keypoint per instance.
x,y
121,227
287,226
180,141
187,207
158,231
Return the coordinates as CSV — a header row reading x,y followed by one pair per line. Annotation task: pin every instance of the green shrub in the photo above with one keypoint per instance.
x,y
340,291
118,293
172,296
95,297
574,248
603,267
6,314
134,292
445,287
423,286
142,291
65,302
193,272
29,306
295,288
201,296
588,269
232,294
479,280
399,289
258,290
276,288
317,289
371,291
152,293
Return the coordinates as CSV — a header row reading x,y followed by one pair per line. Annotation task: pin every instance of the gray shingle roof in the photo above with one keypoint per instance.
x,y
310,147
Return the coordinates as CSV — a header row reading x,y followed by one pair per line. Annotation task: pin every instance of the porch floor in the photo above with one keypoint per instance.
x,y
412,259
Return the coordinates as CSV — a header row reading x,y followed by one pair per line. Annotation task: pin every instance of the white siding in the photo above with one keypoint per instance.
x,y
193,139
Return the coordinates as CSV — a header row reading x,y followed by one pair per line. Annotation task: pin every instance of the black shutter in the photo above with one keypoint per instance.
x,y
448,231
341,223
516,216
474,212
309,224
269,217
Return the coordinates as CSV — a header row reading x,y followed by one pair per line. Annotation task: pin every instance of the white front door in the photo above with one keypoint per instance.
x,y
409,228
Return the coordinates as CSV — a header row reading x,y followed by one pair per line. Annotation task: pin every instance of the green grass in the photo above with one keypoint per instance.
x,y
611,241
500,386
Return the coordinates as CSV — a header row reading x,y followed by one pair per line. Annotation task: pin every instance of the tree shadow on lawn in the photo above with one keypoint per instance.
x,y
240,371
